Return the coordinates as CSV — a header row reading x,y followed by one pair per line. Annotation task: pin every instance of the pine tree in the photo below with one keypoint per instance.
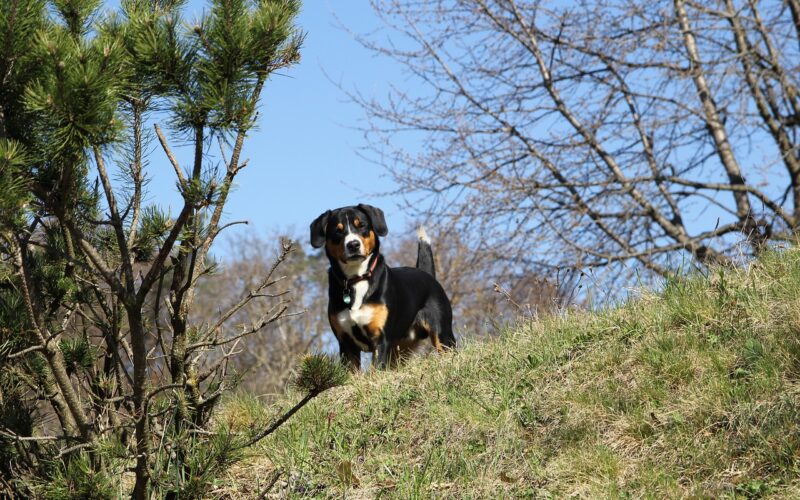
x,y
99,360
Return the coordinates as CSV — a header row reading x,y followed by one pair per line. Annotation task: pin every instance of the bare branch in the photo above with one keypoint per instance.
x,y
165,146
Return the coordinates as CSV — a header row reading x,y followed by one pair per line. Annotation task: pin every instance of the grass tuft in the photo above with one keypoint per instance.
x,y
318,373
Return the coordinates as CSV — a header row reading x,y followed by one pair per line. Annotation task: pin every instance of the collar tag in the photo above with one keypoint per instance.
x,y
347,283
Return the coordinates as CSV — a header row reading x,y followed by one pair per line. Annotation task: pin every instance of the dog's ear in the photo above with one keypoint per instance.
x,y
318,229
376,218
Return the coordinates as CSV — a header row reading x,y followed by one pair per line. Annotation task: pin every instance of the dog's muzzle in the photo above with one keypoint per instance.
x,y
353,250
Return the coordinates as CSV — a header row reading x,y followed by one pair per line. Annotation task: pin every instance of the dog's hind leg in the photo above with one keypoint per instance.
x,y
445,339
438,325
442,340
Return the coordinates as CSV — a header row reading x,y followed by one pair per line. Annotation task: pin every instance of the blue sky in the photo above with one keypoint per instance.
x,y
304,155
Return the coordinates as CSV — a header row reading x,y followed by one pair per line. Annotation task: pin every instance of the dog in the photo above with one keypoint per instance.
x,y
373,307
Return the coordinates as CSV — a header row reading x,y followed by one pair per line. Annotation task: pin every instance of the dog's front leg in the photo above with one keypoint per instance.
x,y
350,354
380,357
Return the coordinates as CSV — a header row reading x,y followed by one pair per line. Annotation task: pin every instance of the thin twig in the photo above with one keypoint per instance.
x,y
286,416
170,156
274,479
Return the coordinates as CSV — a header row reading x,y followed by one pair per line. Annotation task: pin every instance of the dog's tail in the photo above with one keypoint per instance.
x,y
425,253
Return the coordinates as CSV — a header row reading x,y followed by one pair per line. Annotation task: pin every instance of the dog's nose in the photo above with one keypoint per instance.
x,y
353,246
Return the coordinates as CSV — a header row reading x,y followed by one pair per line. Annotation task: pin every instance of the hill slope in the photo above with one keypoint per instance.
x,y
691,392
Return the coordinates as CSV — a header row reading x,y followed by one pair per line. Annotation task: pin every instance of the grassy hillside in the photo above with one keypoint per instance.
x,y
691,392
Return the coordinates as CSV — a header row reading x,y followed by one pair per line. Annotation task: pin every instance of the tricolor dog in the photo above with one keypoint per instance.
x,y
373,307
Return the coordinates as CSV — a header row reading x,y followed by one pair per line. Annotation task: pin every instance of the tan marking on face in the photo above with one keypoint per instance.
x,y
340,226
357,222
369,243
335,250
379,314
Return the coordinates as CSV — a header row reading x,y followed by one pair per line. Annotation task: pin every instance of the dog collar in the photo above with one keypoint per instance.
x,y
347,292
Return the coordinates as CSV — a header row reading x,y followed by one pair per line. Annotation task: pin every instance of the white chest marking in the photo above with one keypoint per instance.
x,y
356,316
359,291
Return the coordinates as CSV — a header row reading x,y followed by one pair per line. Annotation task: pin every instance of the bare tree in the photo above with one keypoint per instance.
x,y
624,135
266,361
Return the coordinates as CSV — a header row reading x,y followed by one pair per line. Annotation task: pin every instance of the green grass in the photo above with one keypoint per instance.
x,y
692,392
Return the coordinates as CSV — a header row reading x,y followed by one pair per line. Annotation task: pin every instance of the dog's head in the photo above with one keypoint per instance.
x,y
350,234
